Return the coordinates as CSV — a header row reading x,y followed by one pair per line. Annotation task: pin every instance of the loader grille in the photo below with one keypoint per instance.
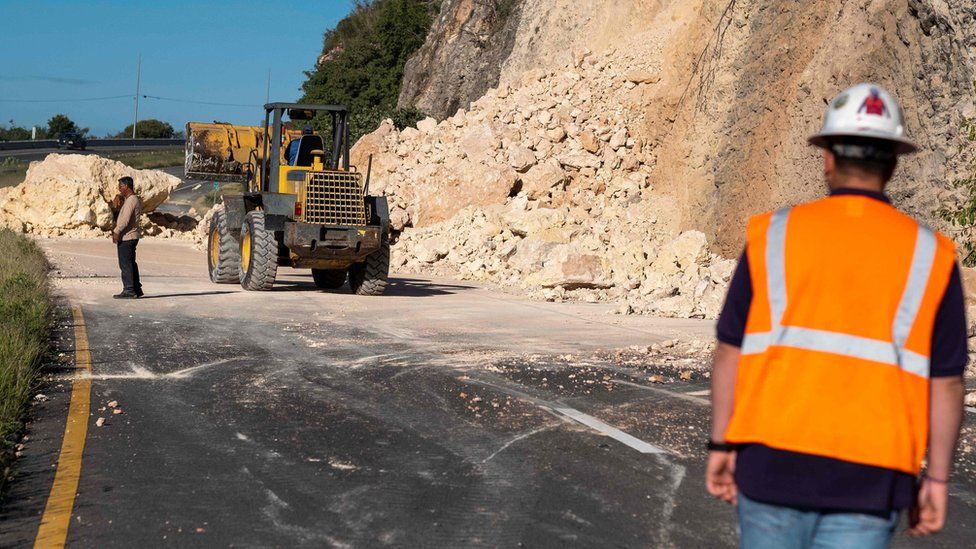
x,y
334,198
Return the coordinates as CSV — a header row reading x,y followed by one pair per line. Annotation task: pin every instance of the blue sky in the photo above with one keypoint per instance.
x,y
216,51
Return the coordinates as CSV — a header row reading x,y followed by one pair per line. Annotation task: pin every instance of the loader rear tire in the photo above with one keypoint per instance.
x,y
259,254
371,276
329,279
223,252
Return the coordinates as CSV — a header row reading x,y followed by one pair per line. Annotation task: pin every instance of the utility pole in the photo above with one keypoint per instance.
x,y
135,118
267,92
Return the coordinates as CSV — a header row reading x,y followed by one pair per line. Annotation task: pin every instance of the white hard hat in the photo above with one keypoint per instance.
x,y
868,111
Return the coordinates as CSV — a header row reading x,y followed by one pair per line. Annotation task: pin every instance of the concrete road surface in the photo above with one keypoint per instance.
x,y
441,415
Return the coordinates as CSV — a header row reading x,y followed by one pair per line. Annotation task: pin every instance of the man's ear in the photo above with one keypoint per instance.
x,y
830,164
830,161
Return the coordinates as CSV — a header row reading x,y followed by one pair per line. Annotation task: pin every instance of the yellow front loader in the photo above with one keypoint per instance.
x,y
303,206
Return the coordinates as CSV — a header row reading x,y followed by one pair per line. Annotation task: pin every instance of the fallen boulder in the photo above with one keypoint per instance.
x,y
66,193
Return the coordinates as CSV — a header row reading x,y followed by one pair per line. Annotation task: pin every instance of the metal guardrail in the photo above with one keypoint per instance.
x,y
121,143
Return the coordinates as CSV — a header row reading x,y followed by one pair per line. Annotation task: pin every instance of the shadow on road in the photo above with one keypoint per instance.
x,y
188,294
400,287
410,287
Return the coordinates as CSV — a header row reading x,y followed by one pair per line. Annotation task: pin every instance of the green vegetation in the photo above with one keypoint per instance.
x,y
56,125
25,313
362,63
963,216
59,124
14,133
149,129
150,160
12,171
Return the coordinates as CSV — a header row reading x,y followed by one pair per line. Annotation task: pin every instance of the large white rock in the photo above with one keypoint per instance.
x,y
568,267
580,160
541,178
432,249
65,193
479,143
521,158
427,125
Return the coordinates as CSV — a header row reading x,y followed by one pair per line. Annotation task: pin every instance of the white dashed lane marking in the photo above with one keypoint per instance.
x,y
612,432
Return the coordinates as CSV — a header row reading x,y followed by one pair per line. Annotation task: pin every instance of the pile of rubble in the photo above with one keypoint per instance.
x,y
71,195
545,187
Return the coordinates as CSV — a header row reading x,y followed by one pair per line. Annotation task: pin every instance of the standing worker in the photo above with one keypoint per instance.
x,y
126,237
842,345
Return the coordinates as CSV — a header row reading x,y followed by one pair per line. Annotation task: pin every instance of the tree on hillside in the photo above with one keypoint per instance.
x,y
149,128
59,124
14,133
362,60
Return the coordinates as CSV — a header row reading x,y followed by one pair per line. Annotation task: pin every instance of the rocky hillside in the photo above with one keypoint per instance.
x,y
741,84
545,186
462,56
608,140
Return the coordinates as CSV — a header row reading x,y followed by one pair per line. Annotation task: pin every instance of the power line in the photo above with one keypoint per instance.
x,y
176,100
160,98
65,100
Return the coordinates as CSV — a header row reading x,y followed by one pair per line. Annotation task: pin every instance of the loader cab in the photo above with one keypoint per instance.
x,y
276,174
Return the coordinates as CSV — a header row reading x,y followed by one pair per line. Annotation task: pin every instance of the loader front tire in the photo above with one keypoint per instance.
x,y
371,276
329,279
259,254
223,252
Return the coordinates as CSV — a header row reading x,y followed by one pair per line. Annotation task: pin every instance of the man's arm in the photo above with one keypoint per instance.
x,y
945,419
724,366
945,413
720,469
946,390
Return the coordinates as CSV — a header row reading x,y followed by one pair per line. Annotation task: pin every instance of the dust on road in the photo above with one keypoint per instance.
x,y
441,414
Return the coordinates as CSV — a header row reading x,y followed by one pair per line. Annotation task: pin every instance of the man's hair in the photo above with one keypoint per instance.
x,y
307,129
858,156
127,181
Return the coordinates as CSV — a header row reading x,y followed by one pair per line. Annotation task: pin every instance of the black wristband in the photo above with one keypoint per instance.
x,y
720,446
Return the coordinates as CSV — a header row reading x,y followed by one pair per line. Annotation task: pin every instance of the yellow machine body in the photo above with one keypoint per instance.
x,y
228,152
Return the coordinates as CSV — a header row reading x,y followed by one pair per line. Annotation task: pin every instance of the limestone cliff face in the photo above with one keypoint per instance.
x,y
738,86
626,143
462,56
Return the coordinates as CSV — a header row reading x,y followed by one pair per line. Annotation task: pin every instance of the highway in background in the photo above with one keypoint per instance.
x,y
29,155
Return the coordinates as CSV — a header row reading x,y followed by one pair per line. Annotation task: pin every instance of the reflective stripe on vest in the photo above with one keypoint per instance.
x,y
876,350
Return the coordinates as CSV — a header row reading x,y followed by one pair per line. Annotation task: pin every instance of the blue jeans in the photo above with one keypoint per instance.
x,y
765,526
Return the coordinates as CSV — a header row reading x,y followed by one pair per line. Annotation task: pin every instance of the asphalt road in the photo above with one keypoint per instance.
x,y
29,155
440,415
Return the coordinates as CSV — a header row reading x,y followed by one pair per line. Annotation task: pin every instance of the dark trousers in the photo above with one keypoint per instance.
x,y
127,263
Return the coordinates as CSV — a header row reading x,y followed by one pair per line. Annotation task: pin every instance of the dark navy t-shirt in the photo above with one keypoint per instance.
x,y
794,479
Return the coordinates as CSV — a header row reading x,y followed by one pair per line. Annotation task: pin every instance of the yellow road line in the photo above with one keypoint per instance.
x,y
57,514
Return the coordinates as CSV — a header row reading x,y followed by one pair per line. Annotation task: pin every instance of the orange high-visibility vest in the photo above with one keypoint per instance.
x,y
835,359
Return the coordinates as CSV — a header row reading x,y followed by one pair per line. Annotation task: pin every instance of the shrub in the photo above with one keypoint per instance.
x,y
149,129
362,63
25,311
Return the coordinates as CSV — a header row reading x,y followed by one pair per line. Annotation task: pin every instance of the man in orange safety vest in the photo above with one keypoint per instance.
x,y
842,345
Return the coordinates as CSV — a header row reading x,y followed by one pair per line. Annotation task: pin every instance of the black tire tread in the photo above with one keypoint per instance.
x,y
372,276
227,269
264,255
